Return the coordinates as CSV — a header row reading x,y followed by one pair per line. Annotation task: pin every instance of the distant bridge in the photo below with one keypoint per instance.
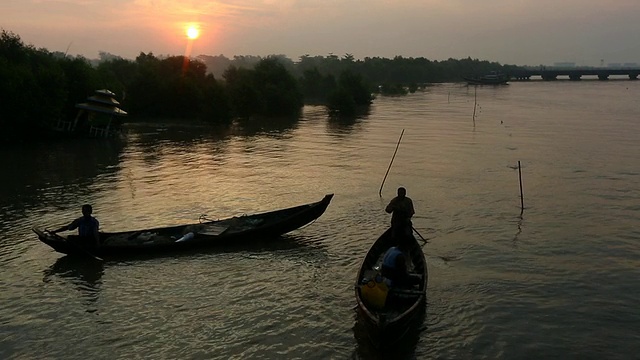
x,y
573,73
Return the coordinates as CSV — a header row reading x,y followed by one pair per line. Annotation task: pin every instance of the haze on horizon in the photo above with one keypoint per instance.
x,y
525,32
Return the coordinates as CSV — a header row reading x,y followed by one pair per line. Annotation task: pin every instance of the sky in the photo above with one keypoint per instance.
x,y
518,32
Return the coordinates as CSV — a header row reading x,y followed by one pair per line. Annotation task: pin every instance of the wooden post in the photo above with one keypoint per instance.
x,y
521,193
475,102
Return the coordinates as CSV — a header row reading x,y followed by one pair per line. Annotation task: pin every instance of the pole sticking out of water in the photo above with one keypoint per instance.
x,y
475,102
521,194
394,156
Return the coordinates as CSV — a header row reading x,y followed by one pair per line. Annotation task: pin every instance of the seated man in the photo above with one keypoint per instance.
x,y
394,266
87,226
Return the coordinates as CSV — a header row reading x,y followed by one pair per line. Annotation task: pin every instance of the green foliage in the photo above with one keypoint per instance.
x,y
351,94
355,85
215,106
244,98
116,74
80,80
32,88
316,87
279,91
268,90
342,102
175,87
397,72
40,88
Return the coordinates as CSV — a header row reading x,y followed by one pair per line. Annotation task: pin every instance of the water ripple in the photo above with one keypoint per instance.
x,y
557,280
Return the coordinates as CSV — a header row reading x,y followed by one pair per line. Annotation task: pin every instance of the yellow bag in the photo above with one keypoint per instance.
x,y
374,294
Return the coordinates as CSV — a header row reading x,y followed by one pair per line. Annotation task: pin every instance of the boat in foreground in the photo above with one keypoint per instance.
x,y
388,316
244,228
492,78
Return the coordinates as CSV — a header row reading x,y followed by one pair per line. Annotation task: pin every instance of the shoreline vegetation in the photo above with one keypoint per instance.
x,y
40,87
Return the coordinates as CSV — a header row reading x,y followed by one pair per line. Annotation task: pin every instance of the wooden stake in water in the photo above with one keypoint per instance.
x,y
475,102
521,194
394,156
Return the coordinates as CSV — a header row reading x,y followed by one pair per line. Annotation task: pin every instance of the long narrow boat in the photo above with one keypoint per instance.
x,y
244,228
493,78
387,324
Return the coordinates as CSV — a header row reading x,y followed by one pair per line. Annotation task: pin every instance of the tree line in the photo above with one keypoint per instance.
x,y
39,87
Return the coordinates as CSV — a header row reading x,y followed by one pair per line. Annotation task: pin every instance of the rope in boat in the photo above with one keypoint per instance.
x,y
204,218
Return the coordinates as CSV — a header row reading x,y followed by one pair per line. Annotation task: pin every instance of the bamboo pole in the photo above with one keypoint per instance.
x,y
521,193
394,156
421,237
475,102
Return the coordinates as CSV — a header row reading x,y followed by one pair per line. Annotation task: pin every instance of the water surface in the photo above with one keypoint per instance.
x,y
559,281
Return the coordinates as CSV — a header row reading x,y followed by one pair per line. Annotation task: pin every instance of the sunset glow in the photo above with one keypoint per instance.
x,y
193,32
594,33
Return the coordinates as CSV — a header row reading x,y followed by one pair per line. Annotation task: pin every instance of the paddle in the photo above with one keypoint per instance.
x,y
74,245
416,231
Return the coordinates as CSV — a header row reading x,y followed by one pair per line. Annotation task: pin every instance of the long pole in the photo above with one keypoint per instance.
x,y
475,102
421,237
521,194
389,168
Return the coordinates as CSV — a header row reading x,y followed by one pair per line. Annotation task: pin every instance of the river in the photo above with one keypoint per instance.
x,y
558,279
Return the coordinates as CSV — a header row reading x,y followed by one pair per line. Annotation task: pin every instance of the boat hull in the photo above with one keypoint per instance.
x,y
258,227
392,334
387,327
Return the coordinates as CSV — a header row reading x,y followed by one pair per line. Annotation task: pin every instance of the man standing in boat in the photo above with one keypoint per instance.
x,y
87,226
401,210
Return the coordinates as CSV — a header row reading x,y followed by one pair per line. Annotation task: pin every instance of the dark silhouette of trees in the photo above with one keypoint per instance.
x,y
244,97
172,88
397,76
279,91
30,89
81,80
39,87
316,87
351,94
267,90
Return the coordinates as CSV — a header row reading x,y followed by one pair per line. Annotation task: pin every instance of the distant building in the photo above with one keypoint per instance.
x,y
630,65
614,65
564,64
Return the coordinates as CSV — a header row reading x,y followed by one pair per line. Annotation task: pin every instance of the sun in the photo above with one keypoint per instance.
x,y
193,32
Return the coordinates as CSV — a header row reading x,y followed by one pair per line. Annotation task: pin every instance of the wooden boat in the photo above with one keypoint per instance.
x,y
260,226
492,78
386,325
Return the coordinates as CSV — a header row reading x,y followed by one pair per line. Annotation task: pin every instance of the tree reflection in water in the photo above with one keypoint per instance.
x,y
49,171
346,124
276,127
